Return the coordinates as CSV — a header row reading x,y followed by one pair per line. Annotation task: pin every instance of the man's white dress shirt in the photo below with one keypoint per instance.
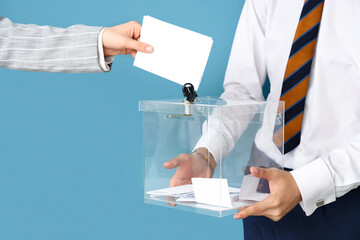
x,y
327,161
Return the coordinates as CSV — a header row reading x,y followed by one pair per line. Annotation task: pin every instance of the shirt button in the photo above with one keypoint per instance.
x,y
300,149
306,106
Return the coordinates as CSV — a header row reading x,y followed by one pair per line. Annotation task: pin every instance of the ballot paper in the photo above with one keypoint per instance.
x,y
191,197
212,191
179,55
173,191
248,189
185,193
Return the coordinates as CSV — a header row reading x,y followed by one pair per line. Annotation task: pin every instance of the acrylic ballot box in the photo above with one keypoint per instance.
x,y
197,155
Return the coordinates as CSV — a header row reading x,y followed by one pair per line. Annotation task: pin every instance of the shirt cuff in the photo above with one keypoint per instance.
x,y
105,62
316,185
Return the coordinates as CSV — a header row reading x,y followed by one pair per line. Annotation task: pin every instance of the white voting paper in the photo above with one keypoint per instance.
x,y
173,191
180,55
191,197
248,189
212,191
185,193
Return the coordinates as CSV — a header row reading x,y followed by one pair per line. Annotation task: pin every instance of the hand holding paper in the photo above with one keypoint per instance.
x,y
180,55
123,39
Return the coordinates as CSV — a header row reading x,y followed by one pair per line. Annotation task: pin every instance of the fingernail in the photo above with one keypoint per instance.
x,y
237,216
254,170
149,49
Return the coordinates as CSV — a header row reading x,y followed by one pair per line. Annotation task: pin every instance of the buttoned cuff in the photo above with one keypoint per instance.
x,y
316,185
105,62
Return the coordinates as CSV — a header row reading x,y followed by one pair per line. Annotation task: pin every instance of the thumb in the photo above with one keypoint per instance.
x,y
261,172
173,163
140,46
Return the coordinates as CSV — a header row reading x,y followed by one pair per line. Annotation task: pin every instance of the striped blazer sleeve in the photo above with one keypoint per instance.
x,y
49,49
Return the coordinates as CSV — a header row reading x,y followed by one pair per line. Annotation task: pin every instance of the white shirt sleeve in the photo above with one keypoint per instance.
x,y
330,176
104,61
244,78
316,185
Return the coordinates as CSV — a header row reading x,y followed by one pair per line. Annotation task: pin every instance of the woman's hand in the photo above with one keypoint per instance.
x,y
123,39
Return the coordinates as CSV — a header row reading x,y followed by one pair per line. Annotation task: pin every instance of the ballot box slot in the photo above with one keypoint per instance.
x,y
182,117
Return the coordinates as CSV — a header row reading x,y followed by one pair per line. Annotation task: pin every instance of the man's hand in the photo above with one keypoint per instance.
x,y
124,39
284,195
188,166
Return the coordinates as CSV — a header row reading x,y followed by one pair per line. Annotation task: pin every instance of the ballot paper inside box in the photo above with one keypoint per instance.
x,y
228,136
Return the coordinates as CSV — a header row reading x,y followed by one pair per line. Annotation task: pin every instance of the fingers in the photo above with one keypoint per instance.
x,y
136,24
254,210
133,53
173,163
137,29
176,162
170,201
140,46
263,173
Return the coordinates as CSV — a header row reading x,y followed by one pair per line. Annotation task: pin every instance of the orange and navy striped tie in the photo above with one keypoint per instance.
x,y
297,71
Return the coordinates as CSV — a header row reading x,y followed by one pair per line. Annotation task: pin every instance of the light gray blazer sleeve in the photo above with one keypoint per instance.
x,y
49,49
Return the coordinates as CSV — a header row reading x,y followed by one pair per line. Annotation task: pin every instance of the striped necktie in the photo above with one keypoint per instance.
x,y
297,71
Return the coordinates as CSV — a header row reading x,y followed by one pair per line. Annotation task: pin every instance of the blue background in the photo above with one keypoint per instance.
x,y
71,144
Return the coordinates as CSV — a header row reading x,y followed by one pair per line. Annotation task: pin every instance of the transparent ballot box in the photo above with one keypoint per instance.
x,y
197,155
